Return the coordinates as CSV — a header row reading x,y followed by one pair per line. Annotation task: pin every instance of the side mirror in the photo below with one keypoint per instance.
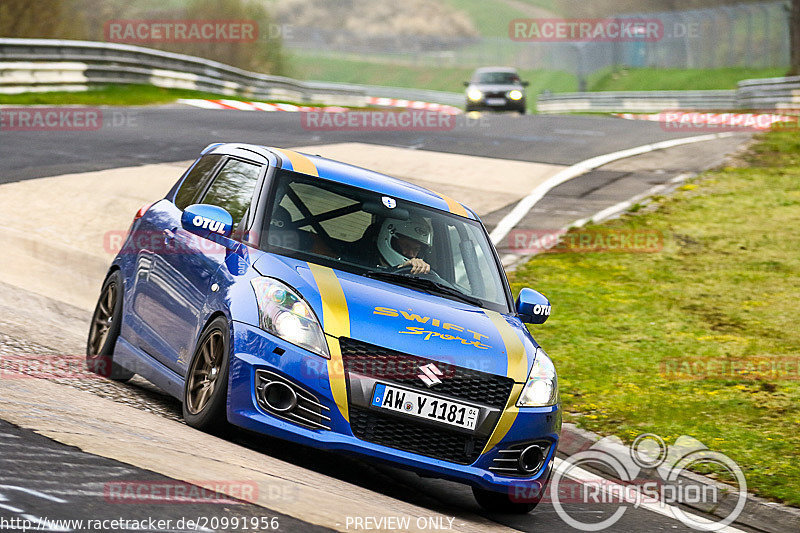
x,y
525,83
207,220
466,84
533,307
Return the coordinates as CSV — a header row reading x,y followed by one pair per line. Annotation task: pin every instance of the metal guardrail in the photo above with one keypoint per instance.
x,y
424,95
35,65
635,102
46,64
770,93
762,94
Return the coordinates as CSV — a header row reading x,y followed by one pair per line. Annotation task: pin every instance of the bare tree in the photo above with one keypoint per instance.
x,y
38,18
794,31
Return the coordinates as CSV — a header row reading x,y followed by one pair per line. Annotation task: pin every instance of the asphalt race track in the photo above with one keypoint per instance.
x,y
61,471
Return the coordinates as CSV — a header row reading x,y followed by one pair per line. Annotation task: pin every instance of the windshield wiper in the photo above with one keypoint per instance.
x,y
426,285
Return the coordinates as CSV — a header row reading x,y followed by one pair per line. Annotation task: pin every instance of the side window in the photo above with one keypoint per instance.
x,y
233,188
468,252
193,184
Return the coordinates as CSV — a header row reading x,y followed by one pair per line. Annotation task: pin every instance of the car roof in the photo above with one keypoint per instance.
x,y
316,165
495,69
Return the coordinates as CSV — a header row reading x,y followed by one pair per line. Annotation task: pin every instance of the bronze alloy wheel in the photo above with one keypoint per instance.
x,y
204,373
104,331
103,319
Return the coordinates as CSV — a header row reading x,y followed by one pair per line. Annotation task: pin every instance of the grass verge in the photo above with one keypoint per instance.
x,y
724,288
438,79
122,95
649,79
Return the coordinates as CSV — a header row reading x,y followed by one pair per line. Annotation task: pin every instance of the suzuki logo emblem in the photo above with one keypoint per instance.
x,y
430,375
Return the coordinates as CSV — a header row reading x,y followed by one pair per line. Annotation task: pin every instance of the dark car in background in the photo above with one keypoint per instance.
x,y
496,89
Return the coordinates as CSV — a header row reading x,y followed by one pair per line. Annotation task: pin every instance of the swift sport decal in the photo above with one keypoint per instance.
x,y
438,328
335,323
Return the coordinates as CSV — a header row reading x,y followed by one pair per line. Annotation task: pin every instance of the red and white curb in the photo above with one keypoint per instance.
x,y
256,106
413,104
264,106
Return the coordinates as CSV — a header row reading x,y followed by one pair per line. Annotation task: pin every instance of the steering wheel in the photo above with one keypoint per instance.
x,y
432,275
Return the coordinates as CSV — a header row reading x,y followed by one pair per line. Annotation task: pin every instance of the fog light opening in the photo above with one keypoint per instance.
x,y
279,397
531,459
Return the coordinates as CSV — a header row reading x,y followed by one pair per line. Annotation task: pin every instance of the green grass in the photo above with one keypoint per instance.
x,y
440,79
110,95
676,79
116,95
490,18
726,285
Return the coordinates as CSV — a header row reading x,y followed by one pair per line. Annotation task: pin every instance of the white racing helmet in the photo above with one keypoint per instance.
x,y
415,228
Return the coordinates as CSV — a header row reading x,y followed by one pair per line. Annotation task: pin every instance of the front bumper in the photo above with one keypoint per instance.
x,y
254,349
509,105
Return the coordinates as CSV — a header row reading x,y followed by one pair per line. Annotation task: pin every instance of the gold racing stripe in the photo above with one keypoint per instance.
x,y
455,207
335,323
515,350
517,370
506,419
300,163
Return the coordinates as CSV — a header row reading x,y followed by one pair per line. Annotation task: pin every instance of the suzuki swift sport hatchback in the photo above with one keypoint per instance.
x,y
339,308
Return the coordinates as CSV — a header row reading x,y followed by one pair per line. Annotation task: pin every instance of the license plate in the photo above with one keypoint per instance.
x,y
424,406
495,101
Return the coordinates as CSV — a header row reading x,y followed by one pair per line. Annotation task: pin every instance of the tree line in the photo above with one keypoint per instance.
x,y
86,20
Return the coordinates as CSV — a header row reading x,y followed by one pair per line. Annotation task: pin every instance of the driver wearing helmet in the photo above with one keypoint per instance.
x,y
402,242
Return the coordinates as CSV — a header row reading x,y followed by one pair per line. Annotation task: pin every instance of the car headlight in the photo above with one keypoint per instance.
x,y
541,389
474,95
515,94
285,314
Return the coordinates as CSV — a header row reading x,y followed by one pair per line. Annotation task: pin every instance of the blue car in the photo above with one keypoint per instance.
x,y
339,308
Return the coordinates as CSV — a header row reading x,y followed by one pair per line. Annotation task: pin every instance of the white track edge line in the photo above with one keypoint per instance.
x,y
584,476
511,260
508,222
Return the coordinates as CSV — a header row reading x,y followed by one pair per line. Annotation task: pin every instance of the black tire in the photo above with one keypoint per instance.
x,y
208,370
501,502
104,331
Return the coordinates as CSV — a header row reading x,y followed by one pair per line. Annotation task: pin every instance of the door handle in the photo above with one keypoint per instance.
x,y
169,236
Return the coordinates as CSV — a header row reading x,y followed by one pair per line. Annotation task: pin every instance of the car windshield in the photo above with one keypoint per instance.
x,y
498,78
371,234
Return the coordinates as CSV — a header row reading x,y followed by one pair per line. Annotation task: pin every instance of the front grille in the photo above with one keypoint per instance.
x,y
411,437
495,94
403,369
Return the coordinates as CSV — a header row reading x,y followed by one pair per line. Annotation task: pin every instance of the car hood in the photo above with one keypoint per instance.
x,y
406,320
495,88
